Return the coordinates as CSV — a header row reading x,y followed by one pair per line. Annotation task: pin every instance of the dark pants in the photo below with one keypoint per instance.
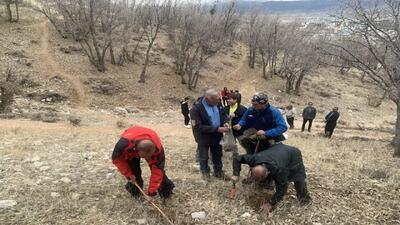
x,y
329,128
216,157
290,121
309,124
165,189
187,118
302,192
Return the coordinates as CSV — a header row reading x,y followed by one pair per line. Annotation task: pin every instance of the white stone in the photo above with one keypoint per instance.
x,y
76,196
4,204
37,164
199,215
66,180
44,168
141,221
109,175
246,215
35,159
54,194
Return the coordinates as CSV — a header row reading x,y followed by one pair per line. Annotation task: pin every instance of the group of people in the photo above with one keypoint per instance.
x,y
259,129
309,114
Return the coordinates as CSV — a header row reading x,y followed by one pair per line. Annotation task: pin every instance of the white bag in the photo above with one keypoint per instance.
x,y
228,141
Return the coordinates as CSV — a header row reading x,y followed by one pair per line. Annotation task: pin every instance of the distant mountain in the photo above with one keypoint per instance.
x,y
302,6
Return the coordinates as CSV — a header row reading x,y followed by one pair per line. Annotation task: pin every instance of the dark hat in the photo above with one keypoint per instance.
x,y
260,98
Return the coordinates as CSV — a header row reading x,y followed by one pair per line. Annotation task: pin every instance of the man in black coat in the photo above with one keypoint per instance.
x,y
235,111
284,163
185,111
331,120
309,114
209,124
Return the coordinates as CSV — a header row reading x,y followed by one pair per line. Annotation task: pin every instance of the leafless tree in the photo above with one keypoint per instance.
x,y
269,45
373,28
154,14
253,24
299,56
8,4
90,22
197,33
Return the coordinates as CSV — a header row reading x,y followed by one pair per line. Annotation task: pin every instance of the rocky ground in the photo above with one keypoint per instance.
x,y
56,144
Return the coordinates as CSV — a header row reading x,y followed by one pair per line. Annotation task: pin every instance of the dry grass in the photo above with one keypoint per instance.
x,y
352,178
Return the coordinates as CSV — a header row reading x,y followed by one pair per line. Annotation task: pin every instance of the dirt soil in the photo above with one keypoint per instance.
x,y
62,174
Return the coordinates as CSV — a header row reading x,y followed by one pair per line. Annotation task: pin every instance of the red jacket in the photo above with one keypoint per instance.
x,y
123,153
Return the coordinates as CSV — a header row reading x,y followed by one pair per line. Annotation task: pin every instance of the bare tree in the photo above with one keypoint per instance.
x,y
269,45
90,22
252,34
153,15
197,33
299,56
373,28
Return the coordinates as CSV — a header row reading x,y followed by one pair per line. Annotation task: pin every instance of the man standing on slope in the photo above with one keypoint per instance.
x,y
209,123
309,114
136,143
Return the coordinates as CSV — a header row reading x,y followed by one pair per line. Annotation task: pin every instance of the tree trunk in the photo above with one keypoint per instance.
x,y
253,58
17,10
297,86
8,9
112,57
146,63
396,139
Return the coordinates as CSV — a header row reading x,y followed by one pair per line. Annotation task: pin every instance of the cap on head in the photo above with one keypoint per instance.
x,y
260,98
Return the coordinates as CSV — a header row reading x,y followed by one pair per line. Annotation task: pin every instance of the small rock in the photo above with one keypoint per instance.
x,y
4,204
54,194
120,110
199,215
76,196
66,180
44,168
141,221
131,109
246,215
109,175
35,159
37,164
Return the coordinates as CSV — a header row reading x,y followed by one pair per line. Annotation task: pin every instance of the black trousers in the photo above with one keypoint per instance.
x,y
290,121
329,128
166,186
216,157
187,118
302,192
309,124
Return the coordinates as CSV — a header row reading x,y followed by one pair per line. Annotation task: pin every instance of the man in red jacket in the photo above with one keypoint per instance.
x,y
140,142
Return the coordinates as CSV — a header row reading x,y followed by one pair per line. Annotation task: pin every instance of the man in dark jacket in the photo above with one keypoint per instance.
x,y
309,114
185,111
266,119
235,111
331,120
136,143
284,163
209,123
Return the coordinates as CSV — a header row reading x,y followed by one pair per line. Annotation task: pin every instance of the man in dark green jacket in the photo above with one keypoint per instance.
x,y
284,164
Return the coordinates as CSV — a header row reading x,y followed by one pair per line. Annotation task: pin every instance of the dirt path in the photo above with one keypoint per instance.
x,y
49,66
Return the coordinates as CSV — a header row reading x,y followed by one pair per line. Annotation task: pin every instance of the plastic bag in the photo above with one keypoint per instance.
x,y
228,141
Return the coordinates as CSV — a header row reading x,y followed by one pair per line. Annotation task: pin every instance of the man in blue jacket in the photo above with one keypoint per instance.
x,y
266,119
209,122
